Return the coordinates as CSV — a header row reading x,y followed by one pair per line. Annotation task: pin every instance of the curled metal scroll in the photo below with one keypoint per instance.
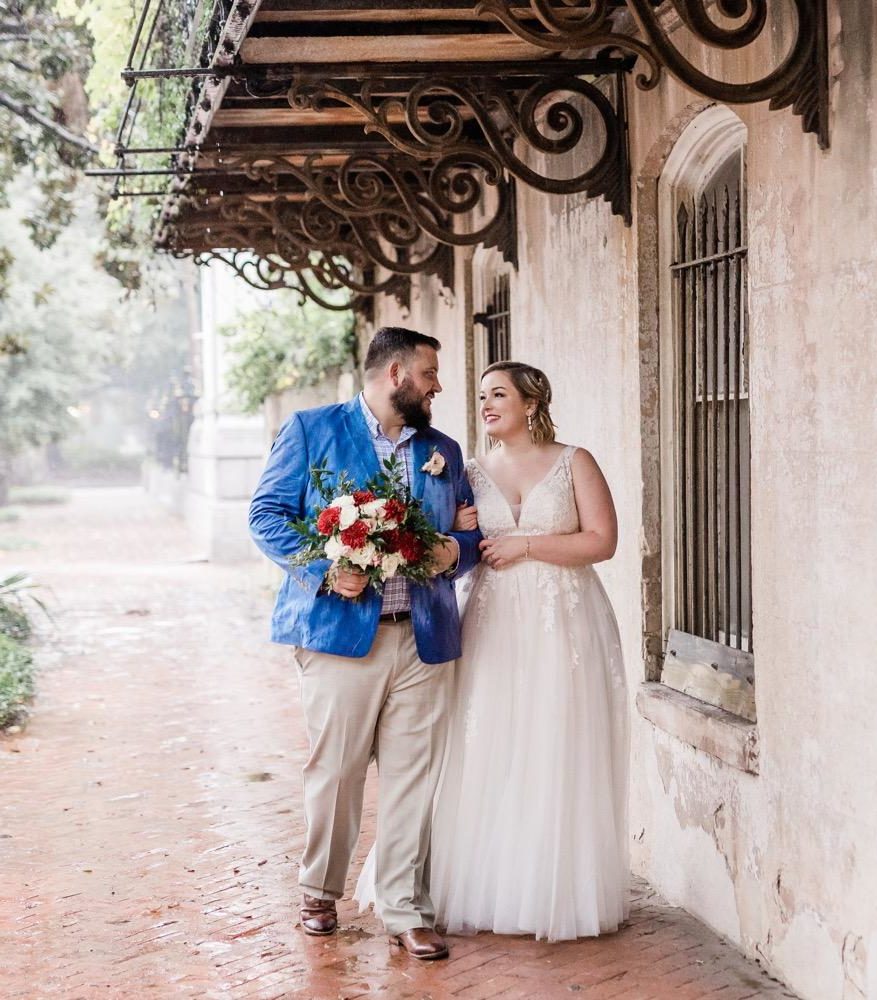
x,y
800,80
310,236
270,273
401,197
437,113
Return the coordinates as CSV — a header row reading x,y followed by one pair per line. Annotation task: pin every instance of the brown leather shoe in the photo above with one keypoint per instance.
x,y
422,943
318,916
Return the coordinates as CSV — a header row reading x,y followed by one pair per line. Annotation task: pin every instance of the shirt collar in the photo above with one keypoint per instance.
x,y
375,428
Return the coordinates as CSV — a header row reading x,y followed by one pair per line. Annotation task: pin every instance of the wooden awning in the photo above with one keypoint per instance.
x,y
347,145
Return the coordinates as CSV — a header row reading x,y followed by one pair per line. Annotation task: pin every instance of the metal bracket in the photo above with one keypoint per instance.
x,y
556,118
799,81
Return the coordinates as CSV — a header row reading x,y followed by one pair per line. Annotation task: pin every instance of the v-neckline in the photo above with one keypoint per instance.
x,y
509,505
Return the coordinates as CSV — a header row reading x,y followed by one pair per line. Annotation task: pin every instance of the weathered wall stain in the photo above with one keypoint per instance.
x,y
783,861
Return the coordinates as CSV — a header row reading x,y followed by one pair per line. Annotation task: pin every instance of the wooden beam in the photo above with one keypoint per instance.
x,y
287,16
388,49
220,160
286,116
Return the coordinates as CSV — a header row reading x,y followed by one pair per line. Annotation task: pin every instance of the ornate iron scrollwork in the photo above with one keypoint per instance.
x,y
800,80
551,116
399,197
394,213
270,272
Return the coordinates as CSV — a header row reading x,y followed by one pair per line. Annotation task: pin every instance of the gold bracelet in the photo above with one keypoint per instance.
x,y
527,549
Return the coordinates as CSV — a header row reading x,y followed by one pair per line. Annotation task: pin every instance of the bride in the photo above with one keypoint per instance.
x,y
529,830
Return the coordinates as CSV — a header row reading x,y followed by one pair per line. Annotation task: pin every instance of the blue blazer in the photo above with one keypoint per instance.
x,y
338,436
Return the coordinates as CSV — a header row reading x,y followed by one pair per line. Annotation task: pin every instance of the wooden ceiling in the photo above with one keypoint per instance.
x,y
307,112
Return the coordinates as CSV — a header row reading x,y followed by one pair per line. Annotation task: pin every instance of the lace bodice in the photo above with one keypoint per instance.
x,y
548,509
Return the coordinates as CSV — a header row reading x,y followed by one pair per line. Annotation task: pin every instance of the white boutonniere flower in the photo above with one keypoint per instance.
x,y
435,464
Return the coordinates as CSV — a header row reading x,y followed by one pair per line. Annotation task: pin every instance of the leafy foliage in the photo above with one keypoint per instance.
x,y
16,680
286,346
57,344
56,340
43,112
160,108
15,593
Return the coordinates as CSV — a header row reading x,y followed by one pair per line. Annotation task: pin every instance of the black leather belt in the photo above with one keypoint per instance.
x,y
396,616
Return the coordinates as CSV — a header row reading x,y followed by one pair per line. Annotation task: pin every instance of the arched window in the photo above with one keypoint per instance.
x,y
705,449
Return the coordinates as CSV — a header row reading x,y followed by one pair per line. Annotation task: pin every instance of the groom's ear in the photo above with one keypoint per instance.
x,y
393,371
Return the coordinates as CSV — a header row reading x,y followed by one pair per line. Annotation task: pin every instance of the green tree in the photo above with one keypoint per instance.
x,y
286,346
67,327
44,58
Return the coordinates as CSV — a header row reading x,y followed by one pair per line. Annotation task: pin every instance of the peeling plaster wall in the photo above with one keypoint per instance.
x,y
784,863
433,311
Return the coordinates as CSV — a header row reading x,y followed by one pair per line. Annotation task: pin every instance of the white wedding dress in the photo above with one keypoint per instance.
x,y
530,823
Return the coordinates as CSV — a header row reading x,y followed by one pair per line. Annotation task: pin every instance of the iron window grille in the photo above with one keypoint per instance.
x,y
713,592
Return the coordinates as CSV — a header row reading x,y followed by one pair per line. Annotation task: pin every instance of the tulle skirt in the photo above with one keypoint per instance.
x,y
530,822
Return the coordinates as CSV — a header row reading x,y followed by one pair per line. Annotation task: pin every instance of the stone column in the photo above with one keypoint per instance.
x,y
226,447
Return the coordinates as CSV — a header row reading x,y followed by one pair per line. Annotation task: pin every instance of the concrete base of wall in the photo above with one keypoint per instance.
x,y
165,485
226,455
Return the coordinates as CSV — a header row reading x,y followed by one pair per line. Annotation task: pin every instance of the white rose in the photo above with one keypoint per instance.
x,y
334,549
345,501
390,563
374,508
363,557
348,516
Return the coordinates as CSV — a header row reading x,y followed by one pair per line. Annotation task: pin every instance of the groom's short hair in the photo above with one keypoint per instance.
x,y
392,343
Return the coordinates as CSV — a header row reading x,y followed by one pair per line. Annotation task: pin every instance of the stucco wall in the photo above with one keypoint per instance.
x,y
782,862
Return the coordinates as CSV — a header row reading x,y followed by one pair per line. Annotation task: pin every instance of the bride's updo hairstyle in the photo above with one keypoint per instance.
x,y
533,385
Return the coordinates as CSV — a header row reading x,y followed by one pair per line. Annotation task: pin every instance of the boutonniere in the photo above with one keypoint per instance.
x,y
435,464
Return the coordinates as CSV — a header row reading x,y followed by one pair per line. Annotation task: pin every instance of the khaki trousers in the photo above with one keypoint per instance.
x,y
391,705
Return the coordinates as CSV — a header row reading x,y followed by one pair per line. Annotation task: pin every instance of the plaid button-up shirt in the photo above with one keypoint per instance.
x,y
397,594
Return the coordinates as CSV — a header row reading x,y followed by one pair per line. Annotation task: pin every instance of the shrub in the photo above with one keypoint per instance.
x,y
284,347
14,622
15,591
38,495
16,681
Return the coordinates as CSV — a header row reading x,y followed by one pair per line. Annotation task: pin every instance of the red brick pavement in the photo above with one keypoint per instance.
x,y
150,817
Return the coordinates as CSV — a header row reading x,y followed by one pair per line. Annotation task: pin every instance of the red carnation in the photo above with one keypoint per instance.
x,y
328,520
355,535
363,496
409,546
395,510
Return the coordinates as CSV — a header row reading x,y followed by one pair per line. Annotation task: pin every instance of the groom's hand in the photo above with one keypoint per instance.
x,y
466,518
445,554
349,584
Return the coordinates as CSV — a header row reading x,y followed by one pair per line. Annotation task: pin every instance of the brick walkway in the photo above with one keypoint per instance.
x,y
150,819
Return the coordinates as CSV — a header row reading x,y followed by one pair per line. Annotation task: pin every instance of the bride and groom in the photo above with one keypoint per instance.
x,y
503,776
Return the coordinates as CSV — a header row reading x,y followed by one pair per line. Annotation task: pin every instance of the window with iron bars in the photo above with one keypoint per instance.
x,y
496,319
712,592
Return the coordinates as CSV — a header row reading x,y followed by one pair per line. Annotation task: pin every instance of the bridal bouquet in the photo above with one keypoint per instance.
x,y
380,530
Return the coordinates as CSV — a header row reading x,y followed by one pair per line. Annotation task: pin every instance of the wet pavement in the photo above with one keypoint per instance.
x,y
150,812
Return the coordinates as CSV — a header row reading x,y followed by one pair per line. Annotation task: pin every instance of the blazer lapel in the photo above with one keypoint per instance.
x,y
419,455
360,446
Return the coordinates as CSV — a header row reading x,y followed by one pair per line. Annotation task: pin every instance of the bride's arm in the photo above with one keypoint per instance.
x,y
593,543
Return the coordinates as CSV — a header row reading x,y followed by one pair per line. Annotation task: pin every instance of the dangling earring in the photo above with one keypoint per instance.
x,y
530,423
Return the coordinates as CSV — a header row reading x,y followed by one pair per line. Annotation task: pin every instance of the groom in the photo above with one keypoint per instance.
x,y
375,672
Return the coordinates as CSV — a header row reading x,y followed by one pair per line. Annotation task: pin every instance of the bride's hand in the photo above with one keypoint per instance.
x,y
501,552
466,518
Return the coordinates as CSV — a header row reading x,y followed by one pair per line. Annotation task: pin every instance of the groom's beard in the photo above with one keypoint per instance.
x,y
408,403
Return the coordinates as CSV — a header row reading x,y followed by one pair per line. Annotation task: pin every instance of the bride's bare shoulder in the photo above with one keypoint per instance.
x,y
581,458
558,446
